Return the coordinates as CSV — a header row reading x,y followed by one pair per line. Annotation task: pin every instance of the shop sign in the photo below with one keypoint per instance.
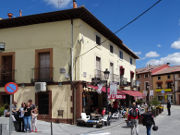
x,y
166,90
117,97
162,91
151,93
145,92
99,90
113,89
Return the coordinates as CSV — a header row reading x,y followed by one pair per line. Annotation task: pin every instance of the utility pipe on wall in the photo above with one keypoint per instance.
x,y
72,76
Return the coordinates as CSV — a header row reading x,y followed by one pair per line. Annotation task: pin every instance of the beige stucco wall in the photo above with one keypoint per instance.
x,y
88,61
57,35
24,40
61,100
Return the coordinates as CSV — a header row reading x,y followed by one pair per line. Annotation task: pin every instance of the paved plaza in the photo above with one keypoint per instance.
x,y
168,125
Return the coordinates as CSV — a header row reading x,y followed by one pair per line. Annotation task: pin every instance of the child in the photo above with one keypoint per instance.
x,y
103,111
34,119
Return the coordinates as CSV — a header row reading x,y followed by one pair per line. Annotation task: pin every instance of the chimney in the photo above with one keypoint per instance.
x,y
10,15
20,12
74,4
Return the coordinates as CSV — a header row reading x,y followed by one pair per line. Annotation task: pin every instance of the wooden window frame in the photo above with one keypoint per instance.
x,y
37,52
13,61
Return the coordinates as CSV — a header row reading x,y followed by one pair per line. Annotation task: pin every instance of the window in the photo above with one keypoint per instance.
x,y
98,67
168,77
120,54
111,48
159,85
169,85
98,40
138,76
111,72
43,65
159,78
6,70
131,61
146,75
146,85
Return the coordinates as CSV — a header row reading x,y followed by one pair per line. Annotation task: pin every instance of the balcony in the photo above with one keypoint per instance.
x,y
134,84
6,76
42,74
99,74
123,82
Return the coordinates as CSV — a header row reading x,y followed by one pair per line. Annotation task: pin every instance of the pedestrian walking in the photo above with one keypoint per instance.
x,y
148,120
169,107
27,117
133,117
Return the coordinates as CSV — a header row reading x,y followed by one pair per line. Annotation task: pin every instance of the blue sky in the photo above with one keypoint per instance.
x,y
155,36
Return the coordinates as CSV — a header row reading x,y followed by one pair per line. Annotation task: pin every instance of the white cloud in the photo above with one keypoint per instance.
x,y
176,44
59,3
151,54
138,53
159,45
173,59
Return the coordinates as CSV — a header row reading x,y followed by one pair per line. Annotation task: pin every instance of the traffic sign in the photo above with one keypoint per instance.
x,y
11,88
162,91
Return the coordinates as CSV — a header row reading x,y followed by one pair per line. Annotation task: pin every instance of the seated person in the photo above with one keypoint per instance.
x,y
96,111
6,111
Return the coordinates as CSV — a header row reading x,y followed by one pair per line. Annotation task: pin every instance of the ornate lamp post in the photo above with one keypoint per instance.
x,y
106,76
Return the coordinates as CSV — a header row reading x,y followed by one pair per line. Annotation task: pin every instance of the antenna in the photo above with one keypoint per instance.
x,y
60,2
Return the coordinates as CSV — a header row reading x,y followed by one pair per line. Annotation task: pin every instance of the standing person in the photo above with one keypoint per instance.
x,y
133,117
169,107
27,117
34,119
148,120
21,117
115,106
33,106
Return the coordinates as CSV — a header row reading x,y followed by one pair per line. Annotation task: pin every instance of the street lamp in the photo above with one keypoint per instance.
x,y
106,77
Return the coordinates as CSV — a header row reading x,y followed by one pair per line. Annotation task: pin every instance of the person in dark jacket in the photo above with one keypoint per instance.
x,y
169,107
148,120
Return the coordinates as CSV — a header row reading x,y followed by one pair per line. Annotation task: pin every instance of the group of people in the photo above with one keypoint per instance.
x,y
147,119
25,117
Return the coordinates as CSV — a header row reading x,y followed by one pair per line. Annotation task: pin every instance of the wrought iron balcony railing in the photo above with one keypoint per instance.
x,y
42,74
7,76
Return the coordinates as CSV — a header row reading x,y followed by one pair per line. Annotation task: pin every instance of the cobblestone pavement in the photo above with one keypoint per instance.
x,y
168,125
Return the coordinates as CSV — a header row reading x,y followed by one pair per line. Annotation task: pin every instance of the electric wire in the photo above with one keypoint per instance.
x,y
123,27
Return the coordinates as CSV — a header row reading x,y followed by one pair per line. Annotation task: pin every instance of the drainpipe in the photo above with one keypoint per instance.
x,y
174,86
72,65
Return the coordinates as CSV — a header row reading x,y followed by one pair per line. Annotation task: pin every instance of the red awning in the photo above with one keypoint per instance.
x,y
120,94
133,93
